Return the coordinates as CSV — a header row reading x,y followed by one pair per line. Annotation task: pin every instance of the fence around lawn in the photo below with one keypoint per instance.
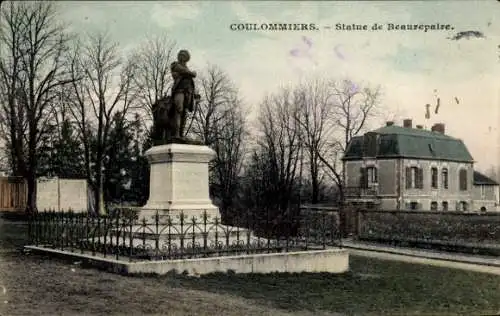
x,y
478,232
122,235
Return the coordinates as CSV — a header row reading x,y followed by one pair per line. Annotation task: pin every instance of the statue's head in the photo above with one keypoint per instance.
x,y
183,56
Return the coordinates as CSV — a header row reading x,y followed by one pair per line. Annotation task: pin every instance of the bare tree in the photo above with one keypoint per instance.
x,y
40,44
78,101
98,97
12,118
218,97
220,121
353,107
314,120
153,79
279,145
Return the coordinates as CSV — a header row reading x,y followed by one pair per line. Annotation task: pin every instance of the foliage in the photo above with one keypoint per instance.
x,y
431,226
61,153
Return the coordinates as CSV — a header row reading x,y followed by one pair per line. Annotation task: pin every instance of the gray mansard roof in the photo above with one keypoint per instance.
x,y
403,142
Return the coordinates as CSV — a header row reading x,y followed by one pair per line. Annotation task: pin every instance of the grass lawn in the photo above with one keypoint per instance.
x,y
43,286
372,287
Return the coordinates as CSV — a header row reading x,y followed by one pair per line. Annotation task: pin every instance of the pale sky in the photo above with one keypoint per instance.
x,y
412,67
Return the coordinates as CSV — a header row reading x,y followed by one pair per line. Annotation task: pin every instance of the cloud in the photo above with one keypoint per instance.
x,y
167,14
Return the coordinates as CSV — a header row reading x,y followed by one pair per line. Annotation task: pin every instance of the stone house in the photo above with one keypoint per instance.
x,y
407,168
486,193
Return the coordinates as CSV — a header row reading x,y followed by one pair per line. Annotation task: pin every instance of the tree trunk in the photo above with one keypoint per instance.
x,y
101,209
344,214
99,192
315,186
31,178
31,203
32,164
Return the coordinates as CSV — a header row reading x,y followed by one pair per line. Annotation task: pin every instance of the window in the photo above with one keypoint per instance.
x,y
445,205
483,191
444,176
414,178
462,179
483,209
414,205
465,206
434,178
434,206
372,175
368,176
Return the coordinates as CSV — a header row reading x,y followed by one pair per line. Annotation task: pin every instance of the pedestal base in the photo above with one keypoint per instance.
x,y
179,182
188,213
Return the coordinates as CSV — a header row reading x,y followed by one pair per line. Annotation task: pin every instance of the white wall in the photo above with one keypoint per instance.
x,y
62,195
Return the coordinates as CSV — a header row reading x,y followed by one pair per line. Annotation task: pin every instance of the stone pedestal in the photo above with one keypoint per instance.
x,y
179,181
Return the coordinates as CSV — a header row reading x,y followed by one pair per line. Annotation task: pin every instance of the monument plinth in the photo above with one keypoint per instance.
x,y
179,181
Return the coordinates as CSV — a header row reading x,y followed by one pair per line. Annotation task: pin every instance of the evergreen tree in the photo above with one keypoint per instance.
x,y
60,153
118,161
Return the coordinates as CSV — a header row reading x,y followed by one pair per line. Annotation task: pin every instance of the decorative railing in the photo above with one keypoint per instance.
x,y
122,235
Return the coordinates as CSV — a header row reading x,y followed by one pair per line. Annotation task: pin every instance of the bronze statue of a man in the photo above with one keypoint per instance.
x,y
169,112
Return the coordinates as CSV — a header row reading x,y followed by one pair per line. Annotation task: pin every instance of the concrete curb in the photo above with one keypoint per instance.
x,y
328,260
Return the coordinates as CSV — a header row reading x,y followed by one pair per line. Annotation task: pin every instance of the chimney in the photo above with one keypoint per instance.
x,y
420,127
407,123
389,123
438,127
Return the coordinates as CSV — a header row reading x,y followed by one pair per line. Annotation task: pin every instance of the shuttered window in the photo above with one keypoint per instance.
x,y
420,179
372,175
462,179
444,180
414,178
363,178
434,178
408,177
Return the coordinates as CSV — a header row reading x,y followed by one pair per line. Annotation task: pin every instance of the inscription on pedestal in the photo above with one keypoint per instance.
x,y
187,177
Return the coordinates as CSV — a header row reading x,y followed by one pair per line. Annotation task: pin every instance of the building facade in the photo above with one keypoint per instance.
x,y
406,168
486,193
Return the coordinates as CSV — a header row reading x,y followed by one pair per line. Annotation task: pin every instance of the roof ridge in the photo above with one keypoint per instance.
x,y
399,130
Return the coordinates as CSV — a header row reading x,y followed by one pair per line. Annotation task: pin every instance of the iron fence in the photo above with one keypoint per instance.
x,y
122,235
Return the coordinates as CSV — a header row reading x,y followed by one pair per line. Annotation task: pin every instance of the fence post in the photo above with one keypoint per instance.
x,y
157,233
131,238
106,224
323,230
117,224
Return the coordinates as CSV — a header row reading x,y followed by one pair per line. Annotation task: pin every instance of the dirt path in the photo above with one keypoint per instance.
x,y
432,262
